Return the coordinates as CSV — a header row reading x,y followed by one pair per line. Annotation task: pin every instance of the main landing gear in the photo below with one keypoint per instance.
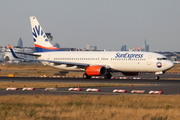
x,y
85,76
107,76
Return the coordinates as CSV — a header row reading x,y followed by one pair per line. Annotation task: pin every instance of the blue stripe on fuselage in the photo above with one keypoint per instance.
x,y
46,50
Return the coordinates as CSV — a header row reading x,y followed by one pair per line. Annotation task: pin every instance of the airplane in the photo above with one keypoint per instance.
x,y
138,49
94,63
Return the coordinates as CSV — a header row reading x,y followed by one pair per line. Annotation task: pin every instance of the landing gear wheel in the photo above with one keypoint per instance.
x,y
108,76
157,77
85,76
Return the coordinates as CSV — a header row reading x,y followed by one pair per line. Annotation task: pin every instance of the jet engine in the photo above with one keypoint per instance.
x,y
96,70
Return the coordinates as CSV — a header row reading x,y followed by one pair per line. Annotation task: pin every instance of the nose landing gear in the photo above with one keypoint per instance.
x,y
157,77
158,73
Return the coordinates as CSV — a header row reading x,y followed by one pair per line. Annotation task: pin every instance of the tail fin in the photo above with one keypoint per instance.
x,y
138,49
41,41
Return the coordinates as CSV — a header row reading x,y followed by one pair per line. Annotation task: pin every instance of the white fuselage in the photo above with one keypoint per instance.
x,y
123,61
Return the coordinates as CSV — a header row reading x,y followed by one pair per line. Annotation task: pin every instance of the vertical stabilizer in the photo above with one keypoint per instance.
x,y
41,41
138,49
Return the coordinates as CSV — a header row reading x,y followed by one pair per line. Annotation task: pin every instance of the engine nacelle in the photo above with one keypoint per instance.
x,y
96,70
130,73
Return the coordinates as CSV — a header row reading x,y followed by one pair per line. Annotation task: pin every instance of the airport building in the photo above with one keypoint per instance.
x,y
89,48
131,49
49,36
145,47
123,48
20,43
57,45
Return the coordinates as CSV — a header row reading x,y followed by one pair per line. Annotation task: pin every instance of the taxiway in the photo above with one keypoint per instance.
x,y
169,87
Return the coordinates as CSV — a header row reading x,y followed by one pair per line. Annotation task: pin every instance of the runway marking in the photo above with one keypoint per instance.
x,y
84,92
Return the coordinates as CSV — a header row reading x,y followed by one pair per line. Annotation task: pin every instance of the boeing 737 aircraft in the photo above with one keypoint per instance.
x,y
94,63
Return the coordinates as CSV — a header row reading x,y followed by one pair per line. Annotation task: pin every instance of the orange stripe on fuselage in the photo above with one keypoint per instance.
x,y
51,48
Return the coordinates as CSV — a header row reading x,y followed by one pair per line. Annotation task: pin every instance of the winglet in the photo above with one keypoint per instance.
x,y
13,53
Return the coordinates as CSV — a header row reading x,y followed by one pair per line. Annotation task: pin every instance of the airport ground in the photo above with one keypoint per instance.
x,y
103,105
25,70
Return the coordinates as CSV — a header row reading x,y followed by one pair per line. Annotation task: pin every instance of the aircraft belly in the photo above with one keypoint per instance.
x,y
130,66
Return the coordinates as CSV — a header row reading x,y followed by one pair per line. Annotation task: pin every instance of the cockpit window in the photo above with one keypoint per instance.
x,y
161,58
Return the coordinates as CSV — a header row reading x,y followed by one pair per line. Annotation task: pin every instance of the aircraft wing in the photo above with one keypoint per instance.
x,y
81,65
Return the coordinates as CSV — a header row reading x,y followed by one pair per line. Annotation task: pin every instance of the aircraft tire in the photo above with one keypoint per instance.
x,y
157,77
108,76
85,76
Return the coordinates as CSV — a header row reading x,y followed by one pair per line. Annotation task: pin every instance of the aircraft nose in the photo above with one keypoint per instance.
x,y
170,64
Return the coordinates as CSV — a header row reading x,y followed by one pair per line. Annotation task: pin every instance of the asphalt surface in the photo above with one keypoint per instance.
x,y
169,87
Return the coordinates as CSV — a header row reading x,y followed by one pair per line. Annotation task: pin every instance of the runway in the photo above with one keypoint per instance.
x,y
146,79
169,87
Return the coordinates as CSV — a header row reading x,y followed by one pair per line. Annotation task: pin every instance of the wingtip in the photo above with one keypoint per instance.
x,y
14,55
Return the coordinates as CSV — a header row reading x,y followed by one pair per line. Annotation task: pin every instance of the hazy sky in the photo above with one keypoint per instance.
x,y
108,24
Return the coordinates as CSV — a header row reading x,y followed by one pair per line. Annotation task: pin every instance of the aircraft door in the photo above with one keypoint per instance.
x,y
48,57
99,60
149,60
102,60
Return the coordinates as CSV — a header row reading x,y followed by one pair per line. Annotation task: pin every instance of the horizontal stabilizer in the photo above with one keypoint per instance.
x,y
28,54
13,53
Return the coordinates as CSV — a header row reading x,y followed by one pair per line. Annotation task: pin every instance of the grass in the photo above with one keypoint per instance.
x,y
176,68
26,67
4,85
25,70
25,74
90,107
